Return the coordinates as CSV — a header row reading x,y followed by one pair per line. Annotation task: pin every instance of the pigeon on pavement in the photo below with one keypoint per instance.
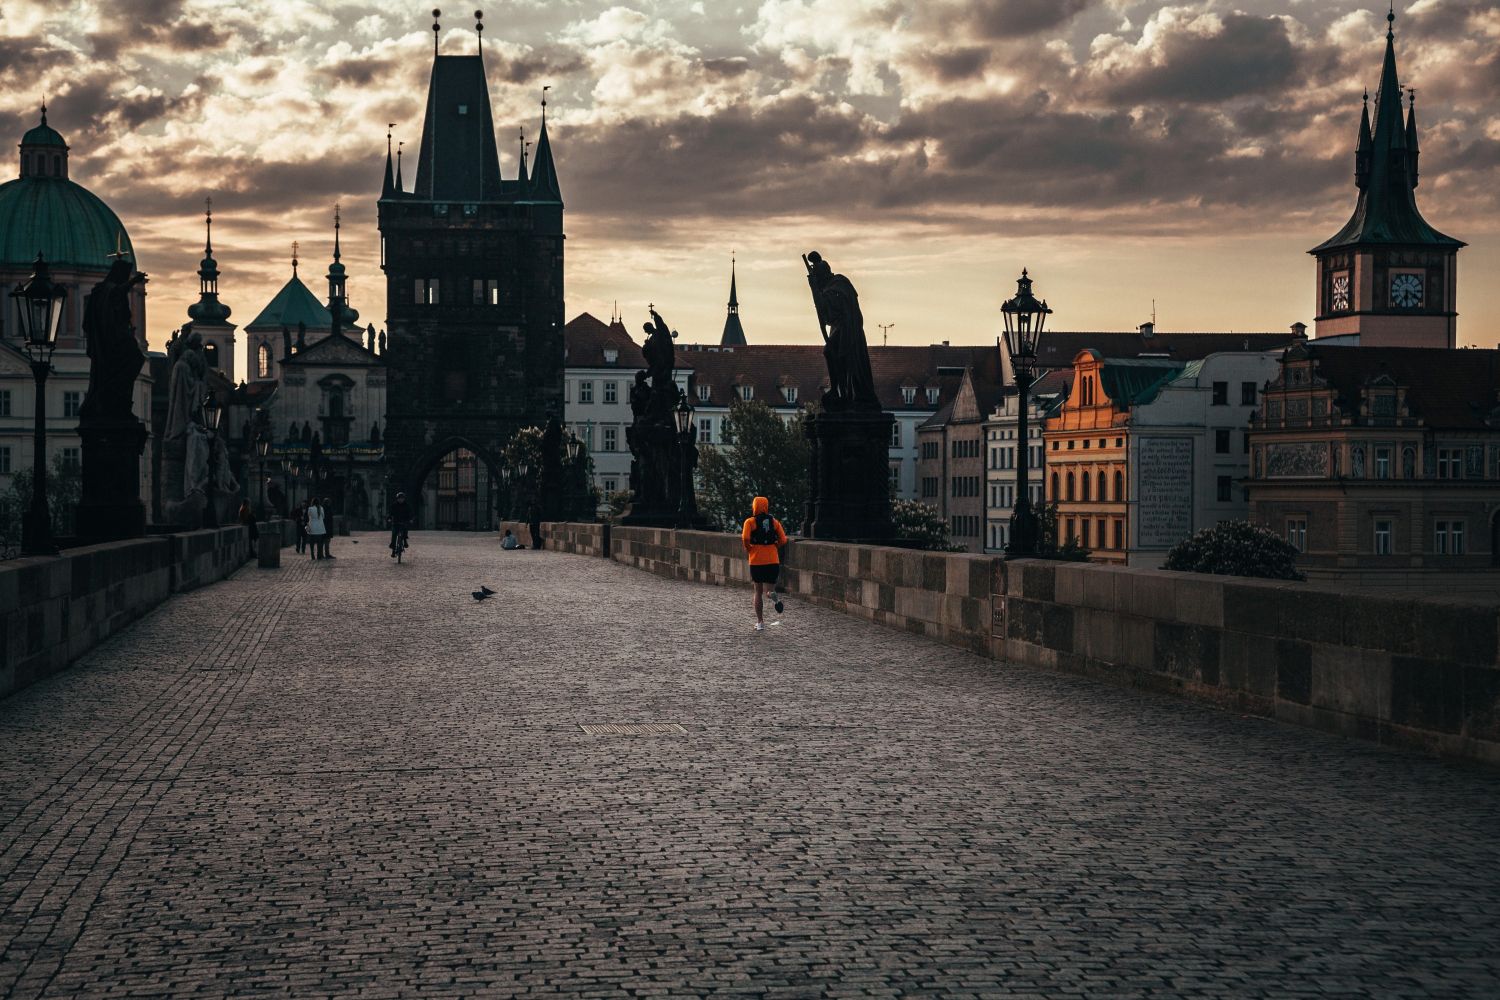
x,y
480,595
486,591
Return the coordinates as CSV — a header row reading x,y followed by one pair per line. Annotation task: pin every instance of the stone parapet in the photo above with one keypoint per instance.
x,y
53,609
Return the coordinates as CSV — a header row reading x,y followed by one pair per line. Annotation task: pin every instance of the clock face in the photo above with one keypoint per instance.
x,y
1341,291
1406,291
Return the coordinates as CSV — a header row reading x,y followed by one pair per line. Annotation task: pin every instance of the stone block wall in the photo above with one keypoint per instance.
x,y
54,609
1417,673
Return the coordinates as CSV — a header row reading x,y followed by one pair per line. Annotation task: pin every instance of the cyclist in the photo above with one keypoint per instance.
x,y
400,522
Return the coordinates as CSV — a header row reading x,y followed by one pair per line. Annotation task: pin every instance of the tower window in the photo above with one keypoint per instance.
x,y
426,291
463,109
263,361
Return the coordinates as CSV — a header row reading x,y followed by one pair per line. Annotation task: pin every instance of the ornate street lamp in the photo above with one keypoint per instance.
x,y
39,303
262,451
683,416
573,445
1025,318
212,414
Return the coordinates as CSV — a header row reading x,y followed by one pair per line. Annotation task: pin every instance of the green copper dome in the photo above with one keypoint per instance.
x,y
43,135
66,222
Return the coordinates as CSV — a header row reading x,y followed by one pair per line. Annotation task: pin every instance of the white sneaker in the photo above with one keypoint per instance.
x,y
760,627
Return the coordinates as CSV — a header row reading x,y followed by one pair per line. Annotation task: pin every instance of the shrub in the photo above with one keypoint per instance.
x,y
1048,546
1236,548
921,525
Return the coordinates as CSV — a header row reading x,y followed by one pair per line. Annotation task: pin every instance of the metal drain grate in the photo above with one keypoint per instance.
x,y
633,729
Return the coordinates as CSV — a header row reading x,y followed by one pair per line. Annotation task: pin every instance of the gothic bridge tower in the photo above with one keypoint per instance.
x,y
1388,276
474,286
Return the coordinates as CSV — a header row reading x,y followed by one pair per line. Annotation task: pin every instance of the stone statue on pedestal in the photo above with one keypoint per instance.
x,y
112,436
660,469
185,441
849,471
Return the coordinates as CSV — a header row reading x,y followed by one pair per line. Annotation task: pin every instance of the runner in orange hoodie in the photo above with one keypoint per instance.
x,y
763,538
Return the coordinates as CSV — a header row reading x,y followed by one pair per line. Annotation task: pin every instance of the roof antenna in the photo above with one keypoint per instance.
x,y
208,220
479,30
885,332
436,27
295,247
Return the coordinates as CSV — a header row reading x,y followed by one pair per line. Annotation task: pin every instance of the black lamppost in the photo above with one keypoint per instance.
x,y
1025,318
212,413
572,476
683,416
262,449
39,303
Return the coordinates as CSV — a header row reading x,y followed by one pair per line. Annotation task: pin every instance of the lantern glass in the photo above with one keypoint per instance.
x,y
211,412
263,445
683,416
573,445
39,308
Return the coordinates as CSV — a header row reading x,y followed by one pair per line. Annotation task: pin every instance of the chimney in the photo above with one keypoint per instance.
x,y
1299,330
1147,330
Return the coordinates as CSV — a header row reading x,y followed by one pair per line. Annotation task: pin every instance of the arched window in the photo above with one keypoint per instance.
x,y
211,355
1054,486
57,166
263,361
1119,485
1085,486
1099,492
1070,486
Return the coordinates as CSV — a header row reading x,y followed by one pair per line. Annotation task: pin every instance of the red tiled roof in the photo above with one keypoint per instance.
x,y
1448,389
586,338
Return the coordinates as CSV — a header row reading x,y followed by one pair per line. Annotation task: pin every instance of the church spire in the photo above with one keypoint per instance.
x,y
338,295
1412,150
389,188
544,185
208,310
734,333
1363,146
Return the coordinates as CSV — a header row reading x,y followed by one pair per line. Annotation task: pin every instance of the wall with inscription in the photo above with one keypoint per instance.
x,y
1164,488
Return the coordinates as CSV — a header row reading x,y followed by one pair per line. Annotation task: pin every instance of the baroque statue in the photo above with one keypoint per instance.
x,y
842,324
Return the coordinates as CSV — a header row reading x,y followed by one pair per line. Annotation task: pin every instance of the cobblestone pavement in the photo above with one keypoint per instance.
x,y
349,778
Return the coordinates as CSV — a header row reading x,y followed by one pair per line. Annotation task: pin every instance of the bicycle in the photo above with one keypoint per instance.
x,y
401,545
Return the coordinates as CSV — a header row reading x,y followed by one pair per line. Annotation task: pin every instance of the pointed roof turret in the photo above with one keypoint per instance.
x,y
389,187
544,185
458,160
338,295
525,146
294,304
1363,146
208,310
1387,209
1413,151
734,333
400,188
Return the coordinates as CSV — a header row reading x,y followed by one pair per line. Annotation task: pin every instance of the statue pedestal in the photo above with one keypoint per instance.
x,y
268,546
111,507
849,476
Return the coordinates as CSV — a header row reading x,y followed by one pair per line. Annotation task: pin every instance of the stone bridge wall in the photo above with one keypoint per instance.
x,y
56,608
1416,673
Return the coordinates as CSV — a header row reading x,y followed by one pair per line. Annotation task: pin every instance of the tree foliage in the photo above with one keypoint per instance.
x,y
64,491
764,455
1050,544
921,525
1236,548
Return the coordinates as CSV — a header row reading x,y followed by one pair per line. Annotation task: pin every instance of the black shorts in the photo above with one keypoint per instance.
x,y
765,573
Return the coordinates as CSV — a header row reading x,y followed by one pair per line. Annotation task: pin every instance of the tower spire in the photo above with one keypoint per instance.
x,y
398,166
295,247
544,185
208,225
337,224
734,332
389,188
208,310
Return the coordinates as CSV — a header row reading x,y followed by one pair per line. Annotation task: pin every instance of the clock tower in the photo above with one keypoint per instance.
x,y
1387,276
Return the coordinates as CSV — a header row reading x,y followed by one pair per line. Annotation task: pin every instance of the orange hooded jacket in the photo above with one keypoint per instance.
x,y
762,555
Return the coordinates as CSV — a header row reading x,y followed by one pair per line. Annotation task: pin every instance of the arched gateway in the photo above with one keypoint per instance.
x,y
474,290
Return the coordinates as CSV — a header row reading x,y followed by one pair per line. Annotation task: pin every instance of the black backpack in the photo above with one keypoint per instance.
x,y
764,532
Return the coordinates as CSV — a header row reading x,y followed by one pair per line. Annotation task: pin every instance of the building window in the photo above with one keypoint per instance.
x,y
611,439
895,480
1054,487
1099,528
704,392
1247,393
72,402
486,292
1448,538
706,430
1450,463
1245,447
747,392
1084,486
929,486
71,461
4,459
586,392
263,361
932,396
790,392
611,392
426,291
611,485
1226,489
1296,533
1099,493
896,434
1221,441
585,433
1221,393
4,402
1068,533
1119,486
908,394
1382,538
1120,535
1382,463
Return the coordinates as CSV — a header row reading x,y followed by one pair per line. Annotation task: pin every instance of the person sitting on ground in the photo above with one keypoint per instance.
x,y
400,520
510,541
763,538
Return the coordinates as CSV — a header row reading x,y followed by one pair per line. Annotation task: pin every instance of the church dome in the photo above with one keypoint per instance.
x,y
43,211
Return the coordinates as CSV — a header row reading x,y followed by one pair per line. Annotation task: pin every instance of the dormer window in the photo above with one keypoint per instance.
x,y
611,355
747,392
704,392
790,392
932,396
908,394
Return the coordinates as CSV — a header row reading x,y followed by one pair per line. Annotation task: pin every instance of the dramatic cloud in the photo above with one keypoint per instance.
x,y
929,136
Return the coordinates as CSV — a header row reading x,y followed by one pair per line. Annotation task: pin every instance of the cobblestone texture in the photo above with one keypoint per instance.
x,y
349,778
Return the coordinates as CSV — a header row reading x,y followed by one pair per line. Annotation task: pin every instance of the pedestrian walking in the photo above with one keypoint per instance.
x,y
299,514
248,520
317,524
763,538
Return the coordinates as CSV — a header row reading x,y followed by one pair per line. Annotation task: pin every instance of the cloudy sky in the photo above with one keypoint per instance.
x,y
1126,152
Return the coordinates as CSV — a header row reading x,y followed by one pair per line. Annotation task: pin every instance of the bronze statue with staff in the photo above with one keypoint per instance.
x,y
842,325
